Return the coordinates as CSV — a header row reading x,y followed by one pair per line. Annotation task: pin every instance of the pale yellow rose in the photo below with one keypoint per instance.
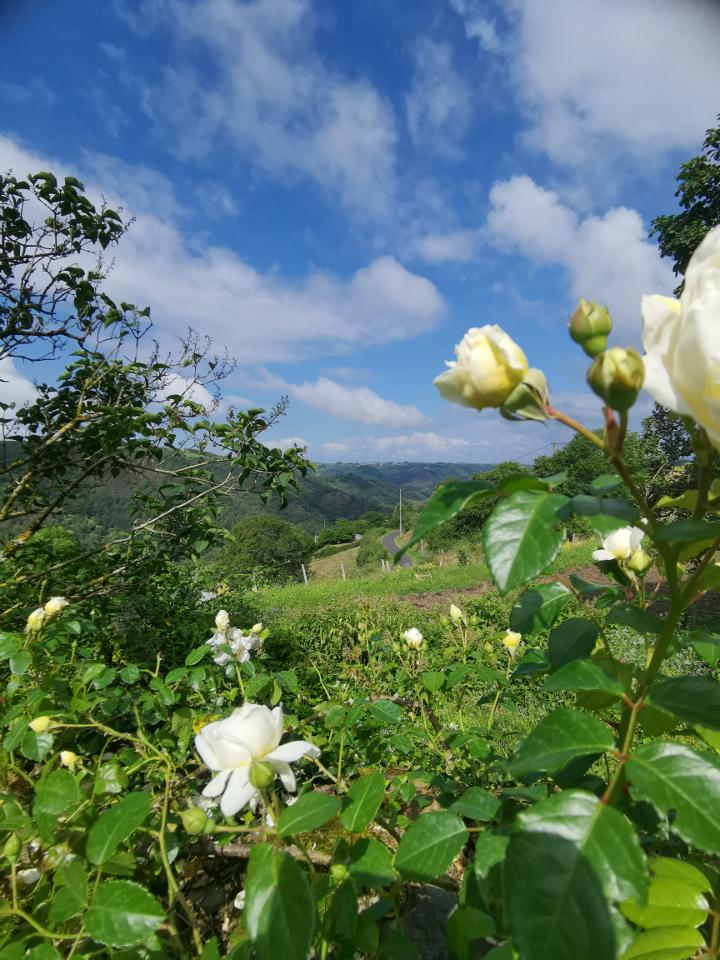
x,y
55,605
682,342
511,641
489,366
40,724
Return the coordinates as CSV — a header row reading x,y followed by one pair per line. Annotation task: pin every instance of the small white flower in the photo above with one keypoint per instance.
x,y
239,901
36,620
250,734
620,544
239,645
413,638
31,875
69,759
222,620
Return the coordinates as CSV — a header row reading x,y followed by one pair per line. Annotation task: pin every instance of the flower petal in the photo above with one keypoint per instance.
x,y
217,784
285,772
602,555
293,751
238,793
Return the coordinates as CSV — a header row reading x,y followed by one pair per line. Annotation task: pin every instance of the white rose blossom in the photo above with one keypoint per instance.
x,y
55,605
251,734
240,645
489,366
682,342
222,620
620,544
413,638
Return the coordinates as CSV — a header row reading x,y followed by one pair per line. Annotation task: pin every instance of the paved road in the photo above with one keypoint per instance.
x,y
388,541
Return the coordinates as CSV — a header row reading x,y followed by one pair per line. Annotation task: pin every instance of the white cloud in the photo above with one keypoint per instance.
x,y
608,259
455,246
597,78
331,446
438,105
270,93
359,404
14,387
259,317
286,442
416,444
477,26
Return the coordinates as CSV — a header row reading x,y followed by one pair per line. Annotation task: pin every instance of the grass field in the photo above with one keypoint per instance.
x,y
326,586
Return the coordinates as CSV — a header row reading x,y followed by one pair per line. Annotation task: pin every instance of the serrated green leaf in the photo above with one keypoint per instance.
x,y
570,857
362,802
671,776
370,863
537,609
36,746
665,943
309,812
559,738
574,639
386,711
447,501
279,909
521,537
71,896
695,700
115,825
56,794
430,845
122,913
477,804
583,675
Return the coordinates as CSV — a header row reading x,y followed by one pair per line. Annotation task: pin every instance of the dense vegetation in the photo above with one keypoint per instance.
x,y
515,757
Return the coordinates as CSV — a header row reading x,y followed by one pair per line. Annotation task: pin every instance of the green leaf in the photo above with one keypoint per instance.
x,y
309,812
604,514
115,825
370,863
574,639
464,927
196,655
36,746
477,804
537,609
689,531
559,738
343,912
671,776
521,537
279,907
386,711
695,700
583,675
122,914
629,616
605,483
447,501
433,680
43,951
707,646
57,793
71,897
362,802
532,661
665,943
430,845
569,857
670,903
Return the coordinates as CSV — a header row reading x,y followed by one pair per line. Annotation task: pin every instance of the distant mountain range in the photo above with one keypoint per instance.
x,y
336,490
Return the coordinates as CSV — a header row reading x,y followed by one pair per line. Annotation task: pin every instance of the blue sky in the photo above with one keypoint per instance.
x,y
336,191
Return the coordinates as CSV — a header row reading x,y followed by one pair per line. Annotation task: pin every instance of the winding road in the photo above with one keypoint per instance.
x,y
388,541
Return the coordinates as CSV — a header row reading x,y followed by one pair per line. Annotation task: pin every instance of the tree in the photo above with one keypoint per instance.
x,y
266,548
678,234
582,461
118,407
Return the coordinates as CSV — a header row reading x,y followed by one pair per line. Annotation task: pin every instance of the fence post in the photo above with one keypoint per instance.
x,y
304,573
342,568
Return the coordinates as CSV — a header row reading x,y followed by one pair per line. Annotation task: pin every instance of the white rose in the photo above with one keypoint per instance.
x,y
249,735
620,544
413,638
489,366
682,342
55,605
36,620
222,620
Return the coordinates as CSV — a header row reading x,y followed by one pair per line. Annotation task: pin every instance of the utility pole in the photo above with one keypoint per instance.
x,y
401,511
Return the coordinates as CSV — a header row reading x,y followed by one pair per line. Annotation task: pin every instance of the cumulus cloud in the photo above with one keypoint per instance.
x,y
258,316
438,104
416,444
270,93
597,78
607,258
359,404
477,25
286,443
457,246
14,387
